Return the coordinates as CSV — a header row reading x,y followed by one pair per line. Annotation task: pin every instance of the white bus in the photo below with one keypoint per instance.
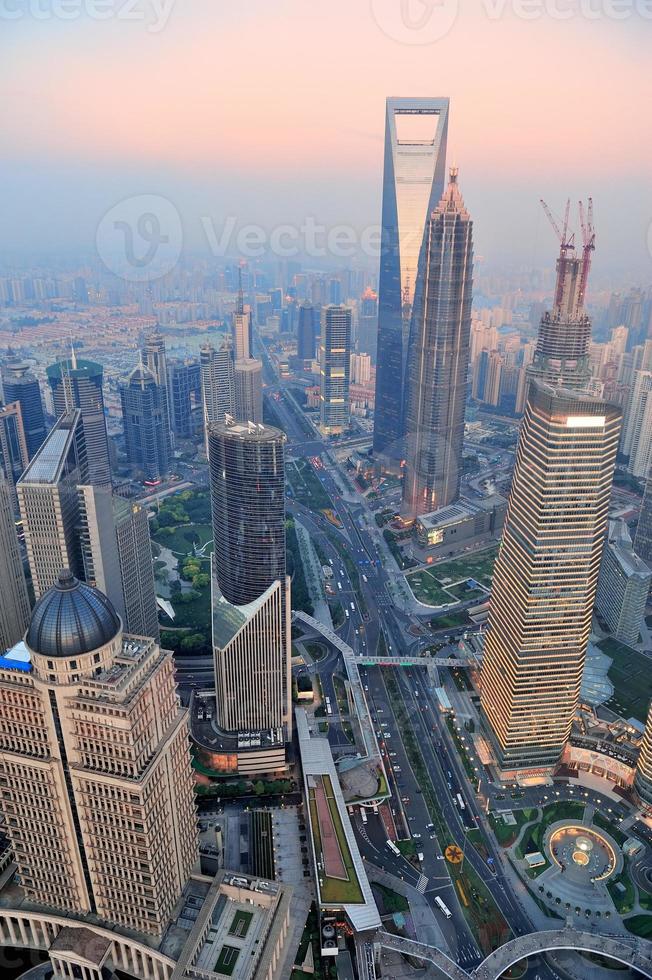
x,y
460,802
443,908
393,848
363,814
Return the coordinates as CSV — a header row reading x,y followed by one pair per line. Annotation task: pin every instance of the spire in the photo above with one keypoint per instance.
x,y
240,306
452,199
73,355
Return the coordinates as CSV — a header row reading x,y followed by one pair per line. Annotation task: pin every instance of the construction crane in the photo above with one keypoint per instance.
x,y
566,250
588,247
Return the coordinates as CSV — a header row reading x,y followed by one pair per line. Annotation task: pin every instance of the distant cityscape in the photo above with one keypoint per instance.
x,y
325,611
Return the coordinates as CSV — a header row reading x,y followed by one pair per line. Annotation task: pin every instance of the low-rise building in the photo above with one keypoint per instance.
x,y
449,529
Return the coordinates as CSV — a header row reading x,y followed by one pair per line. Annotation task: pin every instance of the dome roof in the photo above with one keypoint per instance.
x,y
71,619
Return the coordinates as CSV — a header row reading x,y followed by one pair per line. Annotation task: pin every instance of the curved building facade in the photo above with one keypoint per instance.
x,y
247,477
77,383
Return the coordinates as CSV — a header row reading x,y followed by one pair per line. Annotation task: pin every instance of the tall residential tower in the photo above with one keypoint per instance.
x,y
334,369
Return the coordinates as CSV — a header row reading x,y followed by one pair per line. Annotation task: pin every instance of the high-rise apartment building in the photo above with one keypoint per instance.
x,y
14,601
643,539
335,369
218,390
95,770
49,503
77,383
438,361
146,424
546,575
623,585
367,336
242,328
251,591
20,385
117,556
306,332
413,183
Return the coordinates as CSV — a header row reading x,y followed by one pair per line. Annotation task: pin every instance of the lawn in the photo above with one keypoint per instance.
x,y
335,890
623,900
506,834
181,539
240,924
450,621
640,925
306,486
227,960
447,582
533,838
632,679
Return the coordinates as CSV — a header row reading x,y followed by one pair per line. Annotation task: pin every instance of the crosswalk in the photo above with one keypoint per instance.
x,y
422,884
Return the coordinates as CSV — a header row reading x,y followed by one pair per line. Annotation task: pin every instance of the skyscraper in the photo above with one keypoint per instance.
x,y
306,332
251,591
248,390
643,779
76,383
117,556
49,503
14,601
242,327
562,352
637,430
546,575
20,385
438,360
623,585
146,424
184,388
643,539
367,339
217,384
14,455
335,369
413,183
155,359
97,785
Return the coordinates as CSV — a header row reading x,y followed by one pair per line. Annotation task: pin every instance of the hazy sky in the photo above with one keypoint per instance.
x,y
272,111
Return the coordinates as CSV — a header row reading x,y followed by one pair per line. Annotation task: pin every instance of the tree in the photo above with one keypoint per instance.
x,y
195,641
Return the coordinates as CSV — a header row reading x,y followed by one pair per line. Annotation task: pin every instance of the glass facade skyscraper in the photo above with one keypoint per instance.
x,y
146,424
335,369
438,361
76,383
20,385
413,183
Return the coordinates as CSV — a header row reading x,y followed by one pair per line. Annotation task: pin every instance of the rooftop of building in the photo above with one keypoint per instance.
x,y
75,367
620,545
460,511
342,881
246,431
71,619
47,465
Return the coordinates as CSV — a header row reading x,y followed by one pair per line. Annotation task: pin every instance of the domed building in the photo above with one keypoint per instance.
x,y
95,764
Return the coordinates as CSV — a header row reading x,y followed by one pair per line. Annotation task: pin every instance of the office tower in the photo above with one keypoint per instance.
x,y
334,292
637,432
217,382
242,327
643,778
76,383
14,601
14,455
20,385
146,424
95,765
155,358
546,575
251,591
623,585
306,332
334,369
49,503
438,360
360,369
184,388
562,353
248,390
413,183
643,539
367,339
117,556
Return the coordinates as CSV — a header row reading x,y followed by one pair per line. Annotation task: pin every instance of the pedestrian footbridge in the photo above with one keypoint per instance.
x,y
636,953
